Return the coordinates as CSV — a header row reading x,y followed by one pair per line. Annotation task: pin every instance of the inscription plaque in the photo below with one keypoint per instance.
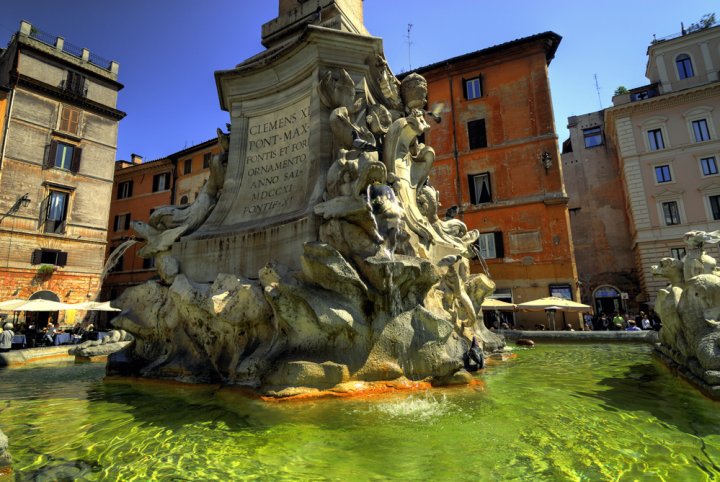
x,y
277,163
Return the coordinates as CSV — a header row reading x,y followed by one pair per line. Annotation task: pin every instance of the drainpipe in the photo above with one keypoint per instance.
x,y
8,113
458,184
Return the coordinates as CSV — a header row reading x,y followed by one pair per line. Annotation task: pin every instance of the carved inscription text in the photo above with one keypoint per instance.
x,y
276,162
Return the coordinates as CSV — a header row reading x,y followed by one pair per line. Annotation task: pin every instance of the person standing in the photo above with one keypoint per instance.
x,y
588,321
645,321
6,338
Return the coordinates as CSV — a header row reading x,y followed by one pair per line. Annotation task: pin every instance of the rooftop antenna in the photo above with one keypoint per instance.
x,y
410,26
597,87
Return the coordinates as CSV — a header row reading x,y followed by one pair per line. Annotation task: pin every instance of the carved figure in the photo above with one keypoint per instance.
x,y
690,311
386,292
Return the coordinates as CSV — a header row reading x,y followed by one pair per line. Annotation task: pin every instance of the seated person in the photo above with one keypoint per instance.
x,y
632,326
49,333
6,338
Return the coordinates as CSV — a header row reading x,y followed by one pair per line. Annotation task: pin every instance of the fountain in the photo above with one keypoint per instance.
x,y
690,311
313,258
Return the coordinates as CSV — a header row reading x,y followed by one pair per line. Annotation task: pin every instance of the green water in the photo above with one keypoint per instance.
x,y
556,412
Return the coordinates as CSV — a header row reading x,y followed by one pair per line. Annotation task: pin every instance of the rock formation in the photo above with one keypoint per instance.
x,y
689,308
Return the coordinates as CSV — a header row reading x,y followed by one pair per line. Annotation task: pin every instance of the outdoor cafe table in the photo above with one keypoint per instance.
x,y
62,338
19,341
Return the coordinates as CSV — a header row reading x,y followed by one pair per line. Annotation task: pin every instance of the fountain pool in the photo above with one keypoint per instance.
x,y
555,412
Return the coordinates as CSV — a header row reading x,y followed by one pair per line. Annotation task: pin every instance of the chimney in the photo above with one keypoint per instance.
x,y
136,159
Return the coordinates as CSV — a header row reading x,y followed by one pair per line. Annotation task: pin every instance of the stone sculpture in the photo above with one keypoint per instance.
x,y
383,289
690,311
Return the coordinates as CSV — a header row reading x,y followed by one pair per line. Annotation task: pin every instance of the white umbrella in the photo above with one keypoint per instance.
x,y
496,304
41,305
9,305
93,306
551,304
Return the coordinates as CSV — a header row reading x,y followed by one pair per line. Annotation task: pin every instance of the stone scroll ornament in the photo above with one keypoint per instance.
x,y
385,293
689,308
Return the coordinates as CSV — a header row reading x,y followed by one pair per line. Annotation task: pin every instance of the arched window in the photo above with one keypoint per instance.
x,y
184,200
684,66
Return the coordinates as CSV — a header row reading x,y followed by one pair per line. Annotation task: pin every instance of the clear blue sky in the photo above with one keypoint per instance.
x,y
169,49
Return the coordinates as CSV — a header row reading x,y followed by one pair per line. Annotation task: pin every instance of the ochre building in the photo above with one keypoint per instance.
x,y
497,167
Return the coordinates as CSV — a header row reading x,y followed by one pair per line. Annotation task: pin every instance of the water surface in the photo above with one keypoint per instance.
x,y
556,412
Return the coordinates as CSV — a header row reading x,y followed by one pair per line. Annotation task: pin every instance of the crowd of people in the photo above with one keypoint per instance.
x,y
622,321
45,336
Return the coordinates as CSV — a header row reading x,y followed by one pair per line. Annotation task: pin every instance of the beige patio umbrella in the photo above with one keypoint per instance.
x,y
93,306
41,305
495,304
10,305
551,304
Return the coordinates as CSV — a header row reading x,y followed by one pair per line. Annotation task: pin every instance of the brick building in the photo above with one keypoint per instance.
x,y
598,218
59,119
141,187
497,166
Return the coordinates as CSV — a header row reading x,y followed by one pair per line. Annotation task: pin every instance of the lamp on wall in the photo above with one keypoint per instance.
x,y
25,200
546,160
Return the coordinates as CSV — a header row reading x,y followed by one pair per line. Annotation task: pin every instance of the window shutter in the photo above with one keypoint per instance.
x,y
52,152
65,119
499,249
471,186
44,210
480,83
127,221
130,185
464,86
115,223
36,257
75,166
81,85
62,258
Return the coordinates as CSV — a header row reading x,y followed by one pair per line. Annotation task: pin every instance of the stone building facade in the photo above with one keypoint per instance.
x,y
668,149
59,121
598,218
498,166
138,189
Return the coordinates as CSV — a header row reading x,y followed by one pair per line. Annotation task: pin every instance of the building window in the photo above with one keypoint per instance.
x,y
124,190
709,166
684,66
62,155
75,84
678,253
480,191
700,130
49,256
490,245
671,212
472,88
187,166
122,222
56,212
662,174
206,160
655,138
149,263
477,137
69,120
184,200
161,182
715,207
593,137
561,291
